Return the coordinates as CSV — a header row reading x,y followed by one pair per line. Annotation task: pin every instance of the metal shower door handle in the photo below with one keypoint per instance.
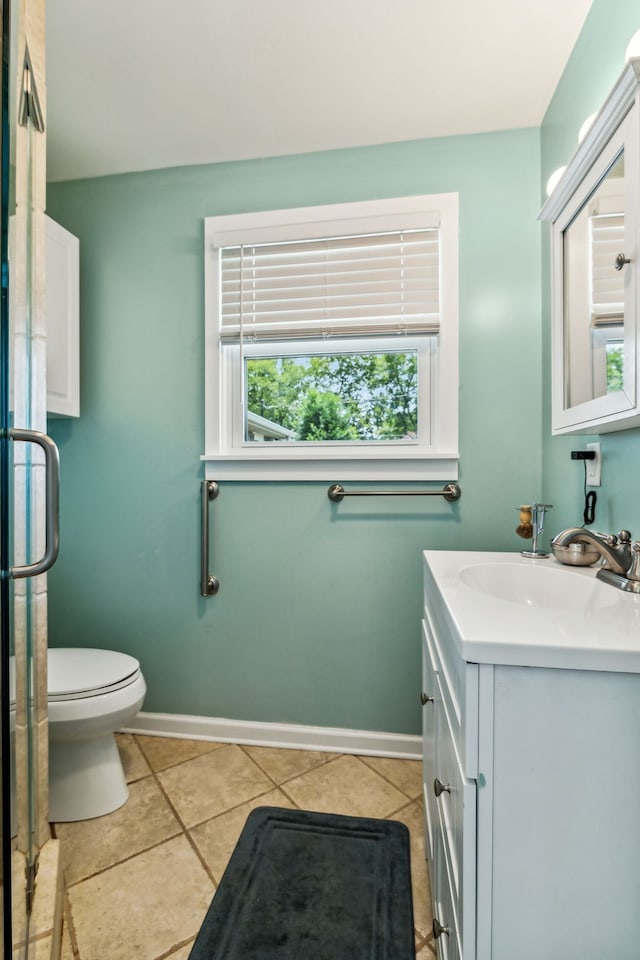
x,y
52,518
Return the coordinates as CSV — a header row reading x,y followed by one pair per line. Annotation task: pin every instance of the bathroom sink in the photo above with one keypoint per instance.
x,y
502,608
536,586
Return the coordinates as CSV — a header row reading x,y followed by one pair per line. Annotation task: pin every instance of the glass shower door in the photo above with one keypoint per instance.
x,y
6,772
7,676
28,478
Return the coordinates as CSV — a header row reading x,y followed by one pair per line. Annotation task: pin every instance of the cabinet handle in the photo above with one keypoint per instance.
x,y
620,261
438,929
425,698
440,787
52,510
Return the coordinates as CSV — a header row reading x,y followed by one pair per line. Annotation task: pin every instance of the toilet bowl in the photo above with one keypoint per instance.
x,y
91,694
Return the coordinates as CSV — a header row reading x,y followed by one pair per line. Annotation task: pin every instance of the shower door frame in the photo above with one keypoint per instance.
x,y
27,458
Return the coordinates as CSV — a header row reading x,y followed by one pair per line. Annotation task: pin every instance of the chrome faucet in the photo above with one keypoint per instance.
x,y
614,550
620,557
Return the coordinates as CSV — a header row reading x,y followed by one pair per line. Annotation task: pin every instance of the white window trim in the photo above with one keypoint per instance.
x,y
388,460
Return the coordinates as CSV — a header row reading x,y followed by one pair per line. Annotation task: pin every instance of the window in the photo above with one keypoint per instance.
x,y
331,341
334,397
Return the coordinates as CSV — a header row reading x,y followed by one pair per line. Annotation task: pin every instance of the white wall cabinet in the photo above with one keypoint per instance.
x,y
62,319
533,838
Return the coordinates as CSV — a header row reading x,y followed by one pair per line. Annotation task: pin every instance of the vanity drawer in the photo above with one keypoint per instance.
x,y
455,823
459,688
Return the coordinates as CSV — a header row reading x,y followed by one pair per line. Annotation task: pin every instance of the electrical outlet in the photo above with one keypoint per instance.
x,y
594,466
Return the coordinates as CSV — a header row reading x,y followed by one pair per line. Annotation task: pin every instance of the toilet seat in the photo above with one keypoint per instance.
x,y
77,673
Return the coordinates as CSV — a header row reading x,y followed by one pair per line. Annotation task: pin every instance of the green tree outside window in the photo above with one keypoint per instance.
x,y
343,397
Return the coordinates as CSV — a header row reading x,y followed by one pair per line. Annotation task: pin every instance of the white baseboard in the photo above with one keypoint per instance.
x,y
292,736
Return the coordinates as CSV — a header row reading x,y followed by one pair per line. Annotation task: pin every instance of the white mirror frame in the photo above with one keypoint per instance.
x,y
616,126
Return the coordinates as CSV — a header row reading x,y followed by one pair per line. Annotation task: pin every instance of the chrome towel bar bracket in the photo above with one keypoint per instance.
x,y
209,585
450,492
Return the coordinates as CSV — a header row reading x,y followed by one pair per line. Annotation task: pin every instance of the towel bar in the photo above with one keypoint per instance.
x,y
450,492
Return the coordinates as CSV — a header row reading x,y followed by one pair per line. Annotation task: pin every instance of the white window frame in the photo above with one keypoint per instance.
x,y
434,454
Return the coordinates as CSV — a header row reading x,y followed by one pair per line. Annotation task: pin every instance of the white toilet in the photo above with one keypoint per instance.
x,y
91,694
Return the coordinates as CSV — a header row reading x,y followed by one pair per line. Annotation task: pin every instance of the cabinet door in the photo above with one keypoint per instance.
x,y
459,679
62,319
455,836
430,691
445,928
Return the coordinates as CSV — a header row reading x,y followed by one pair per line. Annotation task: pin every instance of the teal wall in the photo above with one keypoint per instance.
x,y
594,66
317,619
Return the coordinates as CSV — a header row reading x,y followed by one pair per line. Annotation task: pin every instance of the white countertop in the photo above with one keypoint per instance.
x,y
582,625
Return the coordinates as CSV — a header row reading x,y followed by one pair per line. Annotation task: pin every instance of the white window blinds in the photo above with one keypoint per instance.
x,y
607,283
343,286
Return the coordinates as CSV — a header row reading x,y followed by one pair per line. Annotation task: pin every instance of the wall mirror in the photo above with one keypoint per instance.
x,y
594,241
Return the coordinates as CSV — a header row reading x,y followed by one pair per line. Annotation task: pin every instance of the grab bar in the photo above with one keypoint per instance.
x,y
209,585
451,492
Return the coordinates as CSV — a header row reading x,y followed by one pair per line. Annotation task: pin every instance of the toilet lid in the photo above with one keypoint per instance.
x,y
81,672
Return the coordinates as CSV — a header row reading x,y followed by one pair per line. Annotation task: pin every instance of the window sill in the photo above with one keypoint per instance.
x,y
258,467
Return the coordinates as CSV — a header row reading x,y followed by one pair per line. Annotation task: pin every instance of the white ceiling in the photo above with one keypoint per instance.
x,y
143,84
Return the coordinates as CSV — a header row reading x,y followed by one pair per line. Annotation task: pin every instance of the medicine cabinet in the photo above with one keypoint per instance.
x,y
595,222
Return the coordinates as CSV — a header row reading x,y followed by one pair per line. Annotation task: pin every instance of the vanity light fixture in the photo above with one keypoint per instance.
x,y
586,126
554,179
633,47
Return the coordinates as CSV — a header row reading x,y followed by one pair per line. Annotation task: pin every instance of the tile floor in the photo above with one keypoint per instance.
x,y
139,881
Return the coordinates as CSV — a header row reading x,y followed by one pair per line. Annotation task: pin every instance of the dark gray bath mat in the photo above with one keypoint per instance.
x,y
312,885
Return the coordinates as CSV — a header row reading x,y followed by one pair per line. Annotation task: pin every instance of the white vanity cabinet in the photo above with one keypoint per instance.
x,y
62,319
533,828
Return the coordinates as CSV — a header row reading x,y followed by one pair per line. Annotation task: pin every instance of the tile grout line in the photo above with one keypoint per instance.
x,y
229,810
167,954
35,938
404,806
296,806
67,919
69,885
279,784
384,777
126,859
223,813
215,745
260,768
185,830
